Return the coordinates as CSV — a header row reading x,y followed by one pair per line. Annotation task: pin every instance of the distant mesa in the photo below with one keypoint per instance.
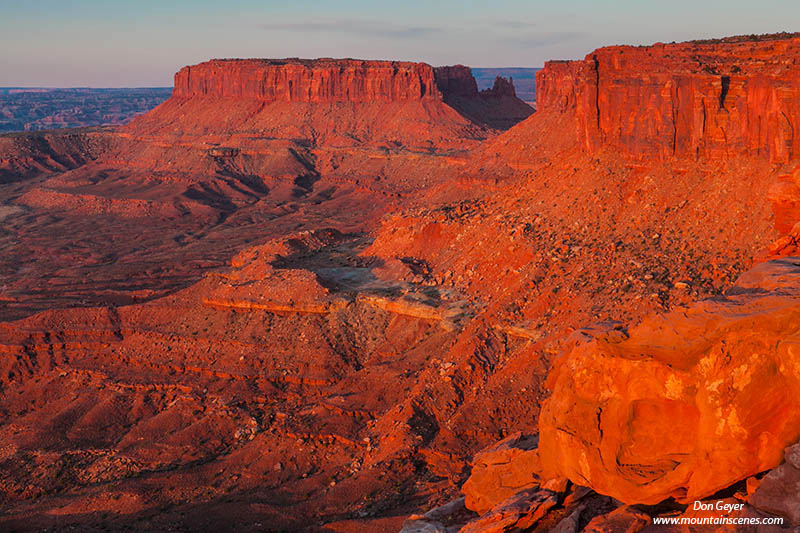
x,y
497,107
304,80
524,80
354,81
334,102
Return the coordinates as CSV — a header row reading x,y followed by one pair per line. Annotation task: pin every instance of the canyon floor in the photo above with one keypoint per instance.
x,y
303,295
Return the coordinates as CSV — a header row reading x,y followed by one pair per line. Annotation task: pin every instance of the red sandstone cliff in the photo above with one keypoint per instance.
x,y
304,80
695,99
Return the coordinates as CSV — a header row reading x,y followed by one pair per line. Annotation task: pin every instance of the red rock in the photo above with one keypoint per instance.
x,y
752,485
473,280
299,80
456,80
517,513
778,492
621,520
501,471
696,99
785,198
687,403
502,87
570,524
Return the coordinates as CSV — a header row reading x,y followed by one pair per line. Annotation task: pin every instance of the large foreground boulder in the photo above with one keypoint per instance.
x,y
686,403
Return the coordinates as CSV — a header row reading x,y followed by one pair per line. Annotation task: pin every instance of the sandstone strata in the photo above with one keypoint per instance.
x,y
695,99
303,80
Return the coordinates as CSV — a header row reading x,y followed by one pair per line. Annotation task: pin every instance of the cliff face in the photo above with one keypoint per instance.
x,y
330,80
298,80
695,99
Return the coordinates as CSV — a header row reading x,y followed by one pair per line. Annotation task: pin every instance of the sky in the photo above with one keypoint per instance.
x,y
142,43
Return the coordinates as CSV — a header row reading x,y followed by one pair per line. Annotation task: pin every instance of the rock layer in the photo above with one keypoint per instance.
x,y
695,99
299,80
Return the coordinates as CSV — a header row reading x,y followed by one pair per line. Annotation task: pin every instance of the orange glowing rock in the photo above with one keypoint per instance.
x,y
683,404
501,471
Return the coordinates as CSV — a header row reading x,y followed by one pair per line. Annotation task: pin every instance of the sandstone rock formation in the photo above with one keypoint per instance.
x,y
502,87
456,80
683,404
501,471
779,492
519,512
304,80
695,99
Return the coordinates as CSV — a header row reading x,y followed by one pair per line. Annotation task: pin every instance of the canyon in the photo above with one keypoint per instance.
x,y
35,109
336,295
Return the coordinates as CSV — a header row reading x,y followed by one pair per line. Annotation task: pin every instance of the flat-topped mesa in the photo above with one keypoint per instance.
x,y
304,80
696,99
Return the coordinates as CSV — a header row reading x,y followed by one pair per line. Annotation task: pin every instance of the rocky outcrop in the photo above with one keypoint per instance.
x,y
304,80
695,99
683,404
329,80
779,492
500,471
455,81
517,513
502,87
784,195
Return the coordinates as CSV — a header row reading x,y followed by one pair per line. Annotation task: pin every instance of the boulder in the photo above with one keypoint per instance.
x,y
519,512
779,492
621,520
686,403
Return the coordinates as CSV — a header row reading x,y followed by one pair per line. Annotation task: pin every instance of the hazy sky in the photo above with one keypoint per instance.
x,y
108,43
